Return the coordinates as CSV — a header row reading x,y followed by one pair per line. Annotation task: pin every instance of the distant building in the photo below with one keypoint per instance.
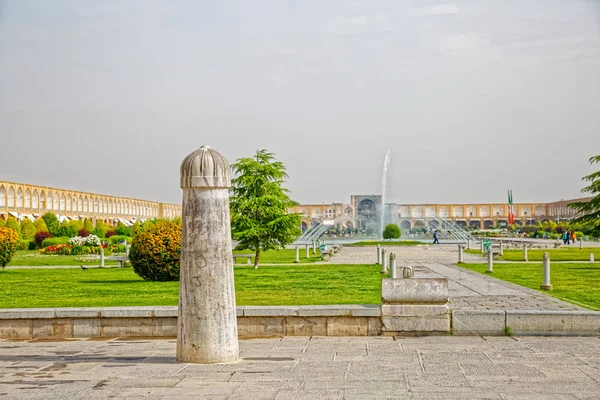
x,y
31,201
364,211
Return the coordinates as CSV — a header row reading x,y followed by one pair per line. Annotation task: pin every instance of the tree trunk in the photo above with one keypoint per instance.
x,y
257,258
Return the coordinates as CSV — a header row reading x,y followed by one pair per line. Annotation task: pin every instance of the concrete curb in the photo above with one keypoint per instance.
x,y
525,323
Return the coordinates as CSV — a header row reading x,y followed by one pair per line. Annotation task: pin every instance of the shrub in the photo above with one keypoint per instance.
x,y
66,229
117,239
13,224
100,229
579,235
51,223
88,225
90,240
55,241
110,234
27,230
122,230
2,223
32,245
391,231
40,225
83,233
23,245
155,253
40,237
8,245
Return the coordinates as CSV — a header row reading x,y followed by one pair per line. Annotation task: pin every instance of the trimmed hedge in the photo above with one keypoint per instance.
x,y
117,239
55,241
155,253
8,245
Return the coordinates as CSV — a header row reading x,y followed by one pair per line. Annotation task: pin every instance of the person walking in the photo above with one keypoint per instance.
x,y
435,238
574,237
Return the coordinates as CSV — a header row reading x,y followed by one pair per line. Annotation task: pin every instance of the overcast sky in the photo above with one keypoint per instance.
x,y
472,97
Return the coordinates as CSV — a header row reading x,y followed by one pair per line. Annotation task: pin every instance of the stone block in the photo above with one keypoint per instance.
x,y
127,312
86,327
270,311
367,310
478,322
77,312
415,290
347,326
414,310
560,323
164,327
125,327
27,313
52,328
323,311
251,327
415,324
374,326
16,328
166,311
306,326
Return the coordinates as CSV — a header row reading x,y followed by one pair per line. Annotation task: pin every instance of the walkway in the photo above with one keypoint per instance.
x,y
468,290
435,367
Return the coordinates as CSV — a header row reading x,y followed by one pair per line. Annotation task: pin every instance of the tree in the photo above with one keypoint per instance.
x,y
51,223
88,225
13,224
67,229
391,231
260,219
590,209
27,229
40,225
101,229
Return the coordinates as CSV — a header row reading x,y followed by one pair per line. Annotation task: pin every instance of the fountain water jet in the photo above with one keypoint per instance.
x,y
386,163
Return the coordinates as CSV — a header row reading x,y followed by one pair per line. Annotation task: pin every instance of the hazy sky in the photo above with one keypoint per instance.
x,y
472,97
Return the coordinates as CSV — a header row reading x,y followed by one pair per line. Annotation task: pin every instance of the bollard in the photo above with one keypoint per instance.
x,y
307,252
393,265
127,248
546,273
580,244
468,243
501,248
490,267
207,325
591,257
525,253
101,256
297,254
383,266
460,253
407,272
482,248
378,254
314,247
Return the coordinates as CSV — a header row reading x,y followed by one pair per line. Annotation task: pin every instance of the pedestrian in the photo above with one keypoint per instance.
x,y
574,237
435,238
564,237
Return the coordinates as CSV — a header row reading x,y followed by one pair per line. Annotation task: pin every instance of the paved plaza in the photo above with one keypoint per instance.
x,y
435,367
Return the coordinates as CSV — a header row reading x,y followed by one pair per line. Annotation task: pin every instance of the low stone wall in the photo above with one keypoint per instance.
x,y
525,322
59,323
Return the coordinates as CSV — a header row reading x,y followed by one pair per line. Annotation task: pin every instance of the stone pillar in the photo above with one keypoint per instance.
x,y
393,265
525,253
383,266
101,256
207,324
297,254
490,260
482,248
546,285
127,248
591,257
307,252
501,248
460,253
314,247
378,254
580,243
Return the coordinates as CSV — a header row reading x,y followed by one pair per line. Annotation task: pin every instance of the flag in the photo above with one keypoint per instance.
x,y
511,210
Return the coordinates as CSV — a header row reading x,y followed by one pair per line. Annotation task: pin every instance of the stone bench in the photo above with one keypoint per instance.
x,y
248,258
119,259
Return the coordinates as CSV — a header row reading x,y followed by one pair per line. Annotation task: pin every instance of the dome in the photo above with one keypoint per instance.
x,y
205,167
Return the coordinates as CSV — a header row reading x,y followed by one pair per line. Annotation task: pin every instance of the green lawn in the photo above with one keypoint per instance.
x,y
562,254
283,256
35,259
269,285
578,283
385,243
